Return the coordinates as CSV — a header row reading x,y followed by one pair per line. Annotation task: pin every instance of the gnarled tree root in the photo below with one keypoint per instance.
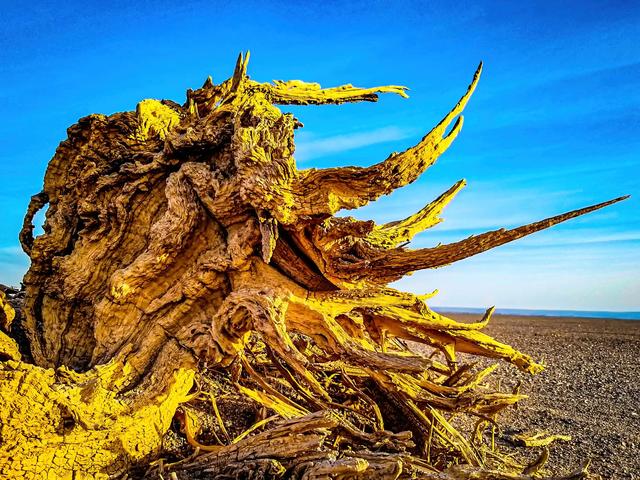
x,y
195,309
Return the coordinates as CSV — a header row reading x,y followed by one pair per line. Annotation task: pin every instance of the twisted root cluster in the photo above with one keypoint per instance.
x,y
194,309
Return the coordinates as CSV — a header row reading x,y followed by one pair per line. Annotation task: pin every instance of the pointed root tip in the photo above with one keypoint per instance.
x,y
208,82
488,314
456,112
457,126
242,62
616,200
453,190
397,89
444,199
598,206
427,296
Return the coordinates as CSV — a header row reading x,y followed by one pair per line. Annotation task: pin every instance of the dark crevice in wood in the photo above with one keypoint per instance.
x,y
291,261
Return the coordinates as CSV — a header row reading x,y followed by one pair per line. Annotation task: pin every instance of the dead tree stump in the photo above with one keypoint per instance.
x,y
189,271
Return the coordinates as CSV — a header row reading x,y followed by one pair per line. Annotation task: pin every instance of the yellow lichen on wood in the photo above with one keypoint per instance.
x,y
303,93
8,348
155,118
7,313
538,439
272,402
392,234
57,424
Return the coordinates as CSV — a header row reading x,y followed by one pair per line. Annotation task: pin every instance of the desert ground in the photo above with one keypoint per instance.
x,y
590,388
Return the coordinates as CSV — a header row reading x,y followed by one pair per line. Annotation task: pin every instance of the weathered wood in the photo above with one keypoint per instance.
x,y
188,266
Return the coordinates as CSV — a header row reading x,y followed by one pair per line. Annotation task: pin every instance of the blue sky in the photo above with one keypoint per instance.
x,y
554,123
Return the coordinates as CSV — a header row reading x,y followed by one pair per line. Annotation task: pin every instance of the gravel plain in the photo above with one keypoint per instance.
x,y
590,388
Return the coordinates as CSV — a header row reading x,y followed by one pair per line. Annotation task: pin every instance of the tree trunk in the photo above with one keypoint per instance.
x,y
186,264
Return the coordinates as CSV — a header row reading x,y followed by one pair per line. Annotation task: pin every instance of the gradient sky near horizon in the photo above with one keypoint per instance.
x,y
554,124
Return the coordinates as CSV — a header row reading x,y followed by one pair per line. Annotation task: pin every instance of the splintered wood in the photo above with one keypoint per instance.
x,y
194,309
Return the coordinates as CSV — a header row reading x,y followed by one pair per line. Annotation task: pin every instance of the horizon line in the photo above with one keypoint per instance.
x,y
546,312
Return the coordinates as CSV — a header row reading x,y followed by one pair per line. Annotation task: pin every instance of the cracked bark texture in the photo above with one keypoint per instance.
x,y
186,261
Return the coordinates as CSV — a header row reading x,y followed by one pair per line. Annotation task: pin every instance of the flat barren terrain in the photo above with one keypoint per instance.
x,y
590,388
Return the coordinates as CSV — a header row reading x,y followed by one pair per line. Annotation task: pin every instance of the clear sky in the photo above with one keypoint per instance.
x,y
554,124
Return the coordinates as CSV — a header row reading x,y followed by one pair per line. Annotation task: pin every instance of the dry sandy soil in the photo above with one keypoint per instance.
x,y
590,388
